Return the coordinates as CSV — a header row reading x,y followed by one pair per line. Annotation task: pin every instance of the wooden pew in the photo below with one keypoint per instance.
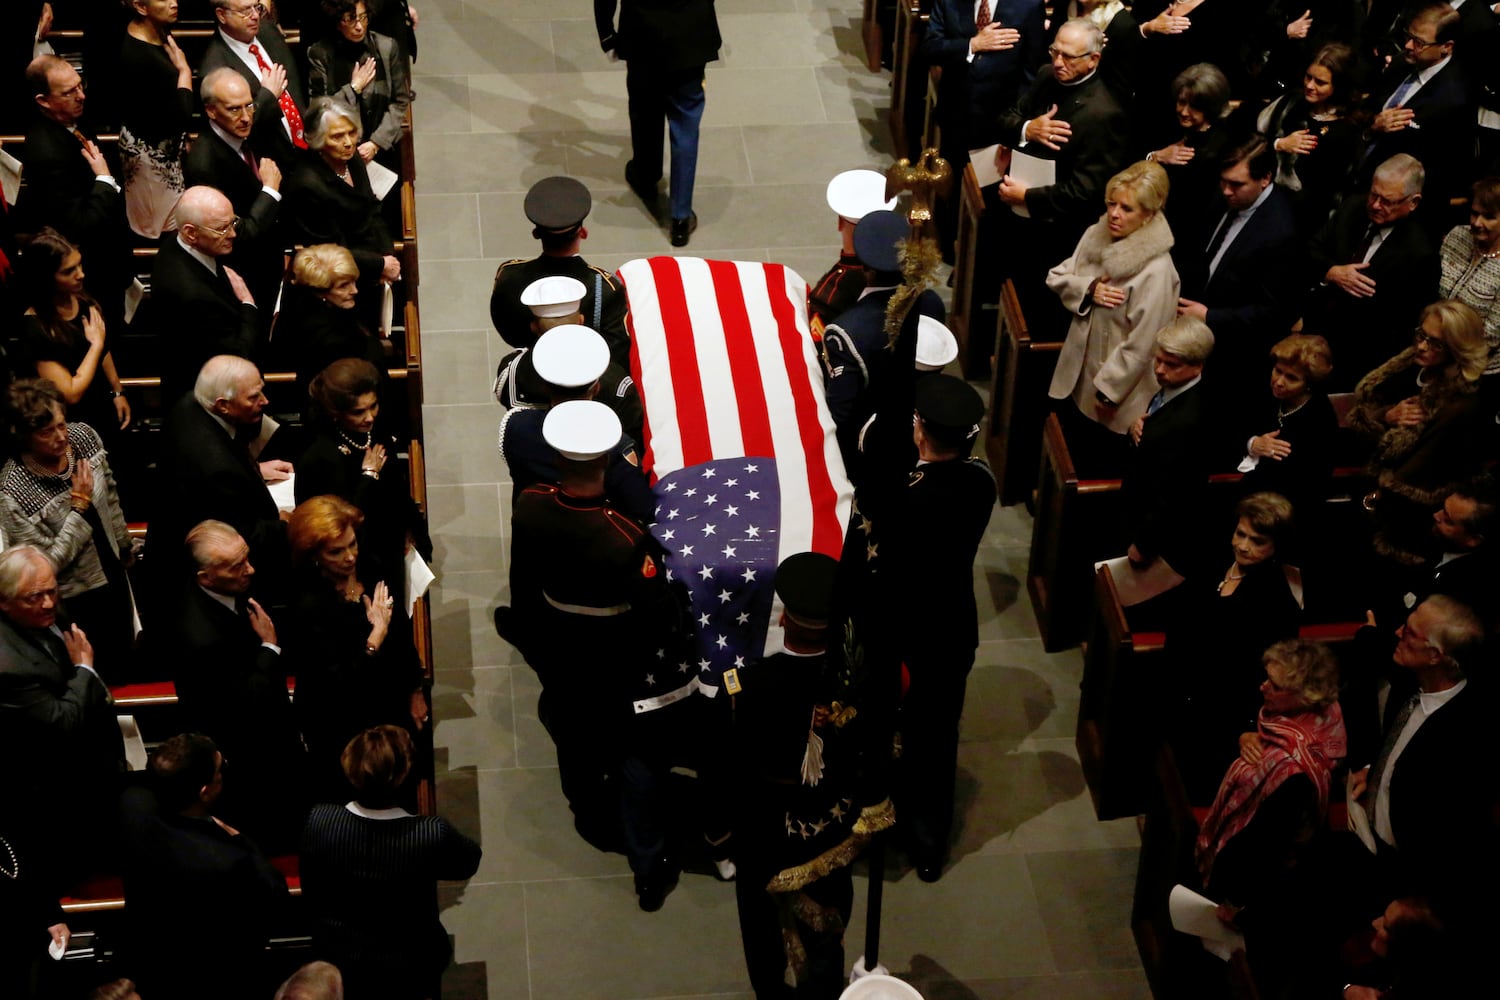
x,y
908,85
872,35
1115,740
1018,399
971,328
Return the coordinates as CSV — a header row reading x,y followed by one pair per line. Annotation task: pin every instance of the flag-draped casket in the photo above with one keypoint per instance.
x,y
739,445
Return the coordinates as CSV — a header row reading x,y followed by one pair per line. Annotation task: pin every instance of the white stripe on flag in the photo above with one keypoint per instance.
x,y
719,399
657,395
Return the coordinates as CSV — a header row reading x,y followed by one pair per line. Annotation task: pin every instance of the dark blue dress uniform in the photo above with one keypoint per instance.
x,y
796,815
532,460
518,384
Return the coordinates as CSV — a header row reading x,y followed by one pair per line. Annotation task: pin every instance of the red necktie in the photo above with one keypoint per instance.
x,y
250,159
982,16
288,106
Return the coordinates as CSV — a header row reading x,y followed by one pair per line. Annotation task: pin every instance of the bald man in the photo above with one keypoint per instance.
x,y
199,306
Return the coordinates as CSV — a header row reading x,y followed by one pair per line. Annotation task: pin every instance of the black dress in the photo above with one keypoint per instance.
x,y
312,333
1212,684
332,466
96,408
1318,179
1303,476
341,689
153,135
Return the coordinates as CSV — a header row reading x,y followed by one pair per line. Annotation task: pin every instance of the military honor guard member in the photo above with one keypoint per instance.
x,y
852,195
856,353
597,619
797,820
557,207
936,349
569,363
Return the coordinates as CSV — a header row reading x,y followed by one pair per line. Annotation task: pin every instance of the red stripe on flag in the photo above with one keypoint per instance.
x,y
682,355
648,458
739,342
827,533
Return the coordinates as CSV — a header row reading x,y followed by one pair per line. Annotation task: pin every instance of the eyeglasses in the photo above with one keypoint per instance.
x,y
1420,43
1381,201
1057,53
234,224
37,597
355,19
1407,632
1421,338
256,9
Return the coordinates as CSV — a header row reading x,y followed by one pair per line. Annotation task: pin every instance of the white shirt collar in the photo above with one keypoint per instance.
x,y
1431,701
395,812
233,141
1167,395
1258,202
1081,80
242,49
872,289
1432,71
219,598
199,256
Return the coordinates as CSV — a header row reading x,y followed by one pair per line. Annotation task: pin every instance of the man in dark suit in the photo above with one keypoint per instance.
x,y
185,868
987,50
1429,812
207,473
222,158
58,733
1070,116
1163,484
69,185
200,307
254,48
1236,283
1464,567
231,684
1422,107
665,44
556,207
1371,270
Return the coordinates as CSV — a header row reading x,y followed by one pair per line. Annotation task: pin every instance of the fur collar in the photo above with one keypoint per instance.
x,y
1124,258
1397,444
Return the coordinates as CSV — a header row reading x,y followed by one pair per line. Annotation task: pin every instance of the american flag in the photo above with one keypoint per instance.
x,y
739,443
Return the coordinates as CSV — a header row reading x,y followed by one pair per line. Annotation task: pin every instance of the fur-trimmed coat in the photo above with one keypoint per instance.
x,y
1418,462
1110,350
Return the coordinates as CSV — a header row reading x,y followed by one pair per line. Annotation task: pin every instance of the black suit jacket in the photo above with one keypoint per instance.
x,y
320,208
62,191
270,136
258,243
1098,149
1443,135
58,735
668,35
197,315
1163,485
972,94
1366,332
1246,296
204,473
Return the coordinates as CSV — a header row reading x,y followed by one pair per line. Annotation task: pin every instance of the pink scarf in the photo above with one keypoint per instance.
x,y
1309,743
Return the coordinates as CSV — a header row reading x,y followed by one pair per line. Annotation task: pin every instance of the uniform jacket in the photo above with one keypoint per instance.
x,y
1110,350
670,34
603,306
532,460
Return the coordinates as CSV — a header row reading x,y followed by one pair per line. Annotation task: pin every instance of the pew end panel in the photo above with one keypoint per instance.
x,y
1018,394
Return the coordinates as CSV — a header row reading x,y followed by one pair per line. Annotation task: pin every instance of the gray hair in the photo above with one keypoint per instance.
x,y
320,117
1457,635
1188,338
207,90
14,562
208,542
197,203
314,981
1406,169
1092,36
1205,88
223,377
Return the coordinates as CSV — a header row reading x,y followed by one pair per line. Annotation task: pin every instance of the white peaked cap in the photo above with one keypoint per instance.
x,y
855,193
570,356
555,296
878,987
581,429
936,345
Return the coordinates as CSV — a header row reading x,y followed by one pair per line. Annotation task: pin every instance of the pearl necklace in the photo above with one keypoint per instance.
x,y
14,871
1229,578
1281,414
42,472
351,446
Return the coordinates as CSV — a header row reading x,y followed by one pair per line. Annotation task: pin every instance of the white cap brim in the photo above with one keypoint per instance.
x,y
854,194
936,345
581,429
554,296
570,356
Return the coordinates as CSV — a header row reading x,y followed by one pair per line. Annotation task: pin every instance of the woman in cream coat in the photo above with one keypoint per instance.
x,y
1120,287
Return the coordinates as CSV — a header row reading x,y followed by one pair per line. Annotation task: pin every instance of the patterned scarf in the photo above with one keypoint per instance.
x,y
1309,743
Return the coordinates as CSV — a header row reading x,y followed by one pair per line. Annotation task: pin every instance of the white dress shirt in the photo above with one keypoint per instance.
x,y
1427,706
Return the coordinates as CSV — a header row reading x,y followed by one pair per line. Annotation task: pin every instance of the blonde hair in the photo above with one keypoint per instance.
x,y
1311,669
323,265
1463,333
1144,179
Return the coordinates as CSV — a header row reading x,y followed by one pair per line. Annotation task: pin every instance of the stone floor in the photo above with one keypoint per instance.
x,y
1036,902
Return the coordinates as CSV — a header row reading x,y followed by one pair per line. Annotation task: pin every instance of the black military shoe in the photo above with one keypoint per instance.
x,y
683,228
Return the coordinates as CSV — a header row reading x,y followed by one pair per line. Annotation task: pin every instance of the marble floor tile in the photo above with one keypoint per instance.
x,y
455,294
449,162
440,103
475,716
755,97
466,538
483,43
545,101
691,946
471,430
488,925
1081,895
448,227
529,836
463,624
807,153
468,355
